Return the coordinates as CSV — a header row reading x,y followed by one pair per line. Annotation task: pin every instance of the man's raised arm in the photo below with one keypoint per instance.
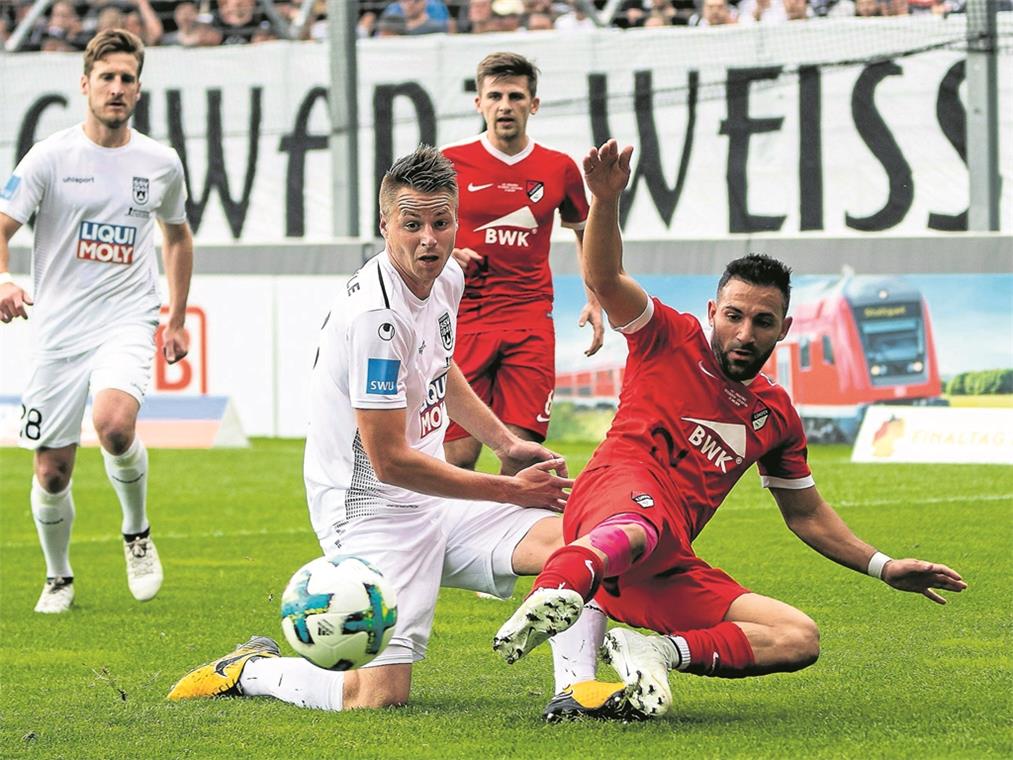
x,y
607,171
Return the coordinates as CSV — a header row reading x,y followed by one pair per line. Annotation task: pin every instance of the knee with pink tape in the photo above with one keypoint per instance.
x,y
609,538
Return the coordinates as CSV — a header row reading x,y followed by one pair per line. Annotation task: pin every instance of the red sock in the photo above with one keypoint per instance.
x,y
722,651
573,567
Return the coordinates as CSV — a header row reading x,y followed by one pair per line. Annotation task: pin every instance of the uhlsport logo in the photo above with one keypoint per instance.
x,y
433,409
711,438
106,243
514,229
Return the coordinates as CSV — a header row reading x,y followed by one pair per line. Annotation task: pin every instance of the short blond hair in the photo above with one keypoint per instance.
x,y
113,41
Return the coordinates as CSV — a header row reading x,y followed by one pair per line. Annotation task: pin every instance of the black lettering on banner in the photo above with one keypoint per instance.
x,y
297,145
810,149
383,126
141,120
740,127
216,178
876,134
648,163
32,428
26,135
952,120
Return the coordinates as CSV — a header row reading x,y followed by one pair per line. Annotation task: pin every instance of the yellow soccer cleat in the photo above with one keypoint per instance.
x,y
592,699
220,678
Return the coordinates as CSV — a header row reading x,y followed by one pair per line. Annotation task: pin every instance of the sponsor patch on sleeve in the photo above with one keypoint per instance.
x,y
11,187
381,376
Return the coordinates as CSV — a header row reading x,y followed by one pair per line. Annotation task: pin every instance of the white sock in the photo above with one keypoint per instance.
x,y
128,474
293,680
678,659
575,650
54,516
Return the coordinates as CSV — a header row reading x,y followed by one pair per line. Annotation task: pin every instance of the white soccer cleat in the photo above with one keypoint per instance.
x,y
546,612
57,596
642,664
144,570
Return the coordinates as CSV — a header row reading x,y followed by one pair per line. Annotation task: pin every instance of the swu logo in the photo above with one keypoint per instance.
x,y
433,410
107,243
381,376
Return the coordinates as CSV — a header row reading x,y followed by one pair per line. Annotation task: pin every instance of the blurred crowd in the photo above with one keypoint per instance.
x,y
67,25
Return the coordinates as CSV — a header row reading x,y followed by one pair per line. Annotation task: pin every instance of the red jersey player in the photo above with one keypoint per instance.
x,y
693,416
511,188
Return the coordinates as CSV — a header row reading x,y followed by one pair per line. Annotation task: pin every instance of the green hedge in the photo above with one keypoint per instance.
x,y
981,383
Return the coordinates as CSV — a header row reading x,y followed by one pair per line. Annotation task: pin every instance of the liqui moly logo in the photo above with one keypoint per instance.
x,y
106,243
434,411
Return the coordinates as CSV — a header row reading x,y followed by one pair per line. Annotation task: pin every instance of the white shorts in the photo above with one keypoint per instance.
x,y
57,393
461,544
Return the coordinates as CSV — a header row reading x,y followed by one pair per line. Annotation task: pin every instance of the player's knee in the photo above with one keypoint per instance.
x,y
115,434
372,693
54,477
801,643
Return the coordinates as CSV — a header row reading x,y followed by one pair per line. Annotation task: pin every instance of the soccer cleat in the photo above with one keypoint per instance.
x,y
220,678
643,665
546,612
592,699
144,571
57,596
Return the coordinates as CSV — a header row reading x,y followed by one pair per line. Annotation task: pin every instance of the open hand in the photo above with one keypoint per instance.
x,y
922,577
538,486
607,169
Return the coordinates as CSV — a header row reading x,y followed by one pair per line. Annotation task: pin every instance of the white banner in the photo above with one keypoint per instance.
x,y
935,434
736,129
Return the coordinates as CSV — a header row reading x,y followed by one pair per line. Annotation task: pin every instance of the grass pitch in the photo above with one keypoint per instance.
x,y
898,676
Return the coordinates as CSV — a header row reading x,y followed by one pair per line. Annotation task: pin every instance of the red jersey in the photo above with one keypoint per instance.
x,y
507,204
694,428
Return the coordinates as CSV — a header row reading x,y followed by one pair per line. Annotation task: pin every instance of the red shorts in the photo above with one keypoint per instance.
x,y
514,372
671,590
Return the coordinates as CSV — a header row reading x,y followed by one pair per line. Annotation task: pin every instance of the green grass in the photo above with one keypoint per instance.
x,y
898,676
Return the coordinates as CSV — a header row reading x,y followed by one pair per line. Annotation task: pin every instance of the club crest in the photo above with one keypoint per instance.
x,y
140,190
760,418
535,190
645,500
446,331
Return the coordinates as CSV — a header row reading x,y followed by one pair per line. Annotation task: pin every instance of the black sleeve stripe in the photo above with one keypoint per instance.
x,y
383,288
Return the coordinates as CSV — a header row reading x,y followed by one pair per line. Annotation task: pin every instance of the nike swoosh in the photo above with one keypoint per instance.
x,y
472,188
704,370
541,418
220,666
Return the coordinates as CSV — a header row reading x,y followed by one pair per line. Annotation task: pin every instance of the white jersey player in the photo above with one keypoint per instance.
x,y
384,383
97,190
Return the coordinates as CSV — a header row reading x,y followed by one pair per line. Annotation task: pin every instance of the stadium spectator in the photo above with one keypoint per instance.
x,y
656,18
895,8
867,8
761,12
96,190
537,21
65,24
575,19
478,18
237,21
713,13
184,15
507,14
376,482
415,17
695,416
796,10
511,188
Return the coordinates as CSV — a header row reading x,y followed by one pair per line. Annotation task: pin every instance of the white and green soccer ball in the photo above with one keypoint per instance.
x,y
338,612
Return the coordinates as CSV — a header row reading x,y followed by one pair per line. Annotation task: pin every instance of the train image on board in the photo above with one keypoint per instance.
x,y
855,340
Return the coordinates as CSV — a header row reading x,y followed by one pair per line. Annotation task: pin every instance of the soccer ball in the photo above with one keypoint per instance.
x,y
338,612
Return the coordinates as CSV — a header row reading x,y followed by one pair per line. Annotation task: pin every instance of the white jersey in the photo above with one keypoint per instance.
x,y
93,260
381,347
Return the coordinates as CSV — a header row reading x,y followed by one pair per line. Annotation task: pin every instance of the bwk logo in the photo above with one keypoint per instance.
x,y
514,229
536,190
433,410
140,190
708,436
107,243
446,331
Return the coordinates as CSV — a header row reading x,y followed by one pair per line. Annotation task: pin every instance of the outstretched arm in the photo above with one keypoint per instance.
x,y
470,412
814,521
607,171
